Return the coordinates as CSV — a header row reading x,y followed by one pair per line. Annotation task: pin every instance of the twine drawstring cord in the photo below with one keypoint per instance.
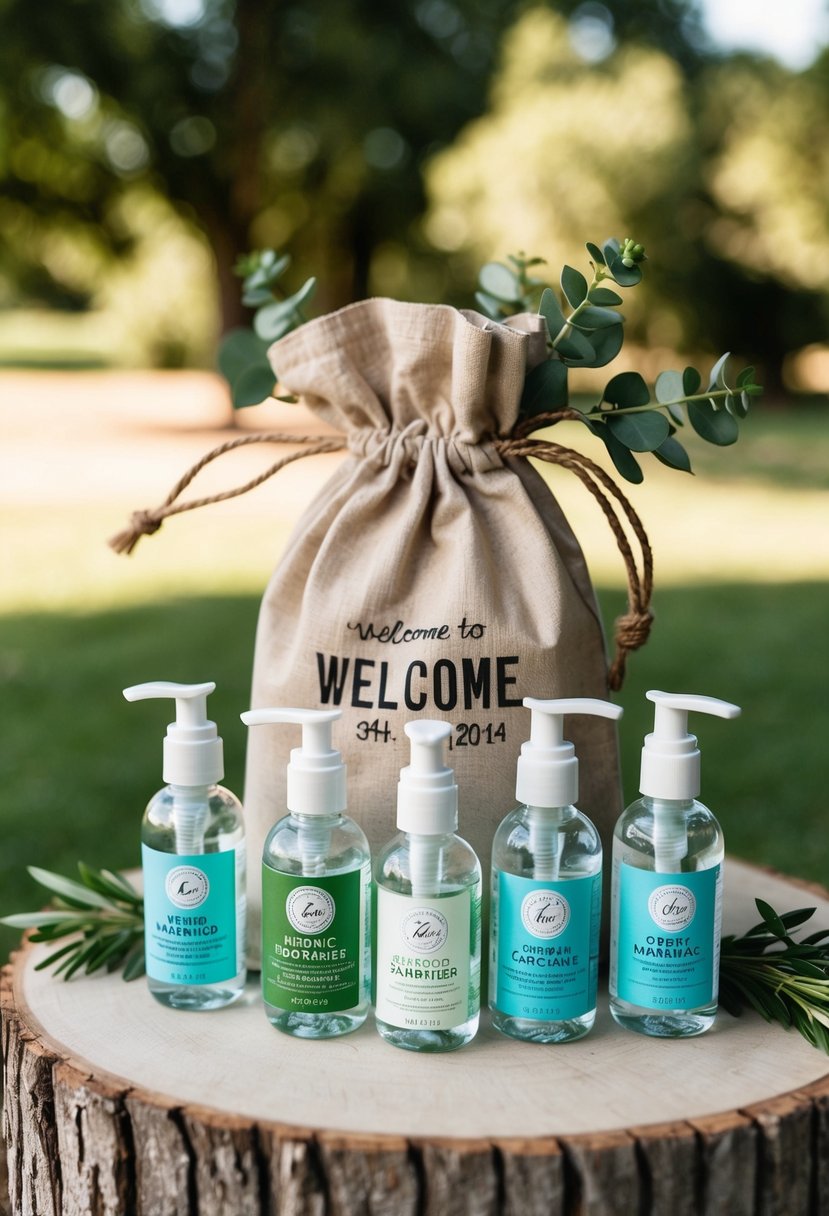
x,y
631,629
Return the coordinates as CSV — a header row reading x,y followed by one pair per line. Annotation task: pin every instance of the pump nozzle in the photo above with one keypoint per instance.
x,y
670,756
427,802
192,747
548,771
316,773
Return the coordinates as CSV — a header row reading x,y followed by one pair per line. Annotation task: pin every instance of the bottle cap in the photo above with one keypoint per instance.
x,y
316,773
548,770
192,747
670,756
427,797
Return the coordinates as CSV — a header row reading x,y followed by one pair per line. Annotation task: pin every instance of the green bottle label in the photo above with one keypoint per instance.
x,y
424,948
313,940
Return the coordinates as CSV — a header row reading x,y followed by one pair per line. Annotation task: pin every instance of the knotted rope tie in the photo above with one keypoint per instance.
x,y
631,630
144,523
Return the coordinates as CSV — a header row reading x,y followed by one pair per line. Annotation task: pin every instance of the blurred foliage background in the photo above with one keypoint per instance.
x,y
391,149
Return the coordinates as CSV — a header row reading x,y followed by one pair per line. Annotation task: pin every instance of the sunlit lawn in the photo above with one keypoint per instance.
x,y
742,606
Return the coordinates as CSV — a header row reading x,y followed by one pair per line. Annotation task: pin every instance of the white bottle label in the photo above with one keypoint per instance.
x,y
423,960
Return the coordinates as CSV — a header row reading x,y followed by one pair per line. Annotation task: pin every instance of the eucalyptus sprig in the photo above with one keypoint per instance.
x,y
243,359
102,915
785,980
585,330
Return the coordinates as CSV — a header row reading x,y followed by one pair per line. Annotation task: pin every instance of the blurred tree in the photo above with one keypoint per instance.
x,y
289,124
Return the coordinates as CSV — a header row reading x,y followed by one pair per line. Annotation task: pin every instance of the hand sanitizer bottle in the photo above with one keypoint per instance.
x,y
193,857
428,966
546,890
667,884
316,881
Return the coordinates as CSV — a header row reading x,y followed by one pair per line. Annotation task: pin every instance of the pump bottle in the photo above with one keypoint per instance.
x,y
316,881
667,884
193,857
546,890
428,964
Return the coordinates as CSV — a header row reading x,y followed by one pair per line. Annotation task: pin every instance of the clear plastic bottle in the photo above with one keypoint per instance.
x,y
546,890
193,858
668,850
316,882
428,965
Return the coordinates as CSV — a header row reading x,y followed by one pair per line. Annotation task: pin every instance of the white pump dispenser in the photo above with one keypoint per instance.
x,y
667,883
546,888
316,874
428,908
193,856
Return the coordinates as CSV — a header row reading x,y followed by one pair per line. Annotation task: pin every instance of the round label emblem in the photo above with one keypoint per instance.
x,y
187,886
545,913
310,909
424,930
672,908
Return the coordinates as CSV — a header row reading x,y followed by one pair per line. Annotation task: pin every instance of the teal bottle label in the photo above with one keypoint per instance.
x,y
547,950
666,954
313,940
424,954
190,929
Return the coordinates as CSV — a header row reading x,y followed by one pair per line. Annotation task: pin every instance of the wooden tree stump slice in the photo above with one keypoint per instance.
x,y
117,1106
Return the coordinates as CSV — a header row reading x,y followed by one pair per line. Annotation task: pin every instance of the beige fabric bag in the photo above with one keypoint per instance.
x,y
433,575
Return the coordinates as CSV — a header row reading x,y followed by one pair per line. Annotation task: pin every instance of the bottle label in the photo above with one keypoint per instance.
x,y
547,950
666,948
313,940
424,946
191,929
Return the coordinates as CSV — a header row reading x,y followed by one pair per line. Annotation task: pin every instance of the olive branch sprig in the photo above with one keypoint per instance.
x,y
102,915
785,980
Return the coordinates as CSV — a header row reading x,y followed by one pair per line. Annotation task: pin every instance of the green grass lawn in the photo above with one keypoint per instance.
x,y
77,763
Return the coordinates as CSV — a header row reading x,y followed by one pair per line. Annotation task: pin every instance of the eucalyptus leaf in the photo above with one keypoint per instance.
x,y
745,377
550,310
489,305
254,386
499,281
595,253
716,426
597,318
691,381
574,347
639,432
669,387
275,320
624,461
610,249
673,454
574,286
606,345
604,296
237,351
627,390
545,388
676,414
625,276
717,373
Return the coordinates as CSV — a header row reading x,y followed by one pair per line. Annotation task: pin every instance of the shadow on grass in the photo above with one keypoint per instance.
x,y
78,763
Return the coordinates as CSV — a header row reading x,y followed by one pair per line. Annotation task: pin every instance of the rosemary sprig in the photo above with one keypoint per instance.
x,y
102,915
785,980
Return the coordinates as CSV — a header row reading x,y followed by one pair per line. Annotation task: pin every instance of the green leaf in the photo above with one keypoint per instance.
x,y
545,388
237,351
606,345
771,918
596,254
68,888
33,920
627,390
112,885
574,286
639,432
611,249
798,917
673,454
745,377
625,463
574,347
716,426
134,963
550,309
275,320
669,387
691,380
498,280
489,305
625,276
254,386
597,318
716,376
604,296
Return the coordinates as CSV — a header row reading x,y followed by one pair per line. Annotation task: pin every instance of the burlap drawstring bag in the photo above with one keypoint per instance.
x,y
434,574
